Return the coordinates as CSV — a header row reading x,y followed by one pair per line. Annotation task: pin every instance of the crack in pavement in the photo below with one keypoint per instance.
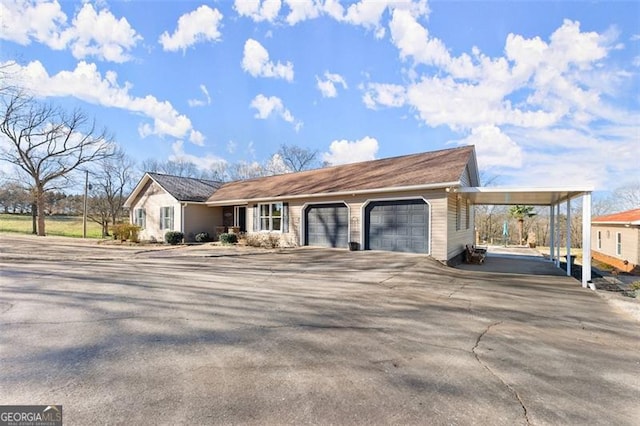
x,y
507,385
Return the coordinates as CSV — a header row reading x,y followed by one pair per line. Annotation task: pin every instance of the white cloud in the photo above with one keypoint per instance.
x,y
328,86
23,21
368,14
201,102
493,148
344,151
256,62
258,10
203,162
302,10
202,24
96,33
388,95
86,83
267,106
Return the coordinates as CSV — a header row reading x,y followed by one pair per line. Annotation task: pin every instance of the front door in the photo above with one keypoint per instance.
x,y
240,217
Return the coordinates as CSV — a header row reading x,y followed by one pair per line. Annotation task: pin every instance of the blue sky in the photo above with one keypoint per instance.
x,y
548,92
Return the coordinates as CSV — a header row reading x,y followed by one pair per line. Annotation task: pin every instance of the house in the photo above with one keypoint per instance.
x,y
161,203
409,203
617,240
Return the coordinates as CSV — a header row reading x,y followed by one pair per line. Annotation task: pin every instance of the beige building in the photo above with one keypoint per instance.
x,y
162,203
616,240
409,203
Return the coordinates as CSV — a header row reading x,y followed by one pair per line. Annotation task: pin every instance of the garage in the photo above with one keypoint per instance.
x,y
327,225
397,225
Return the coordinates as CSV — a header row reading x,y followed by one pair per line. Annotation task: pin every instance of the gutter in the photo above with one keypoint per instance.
x,y
441,185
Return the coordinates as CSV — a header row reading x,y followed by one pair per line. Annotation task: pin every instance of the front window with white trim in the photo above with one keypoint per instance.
x,y
619,243
166,217
271,217
140,218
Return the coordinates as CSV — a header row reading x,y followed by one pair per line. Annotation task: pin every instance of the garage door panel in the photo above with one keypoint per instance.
x,y
327,225
401,225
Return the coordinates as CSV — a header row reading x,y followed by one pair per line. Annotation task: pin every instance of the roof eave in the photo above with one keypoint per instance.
x,y
613,222
440,185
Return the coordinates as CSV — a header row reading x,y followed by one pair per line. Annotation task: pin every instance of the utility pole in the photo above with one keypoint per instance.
x,y
84,216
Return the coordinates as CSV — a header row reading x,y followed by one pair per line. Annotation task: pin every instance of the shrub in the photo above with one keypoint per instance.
x,y
226,238
173,237
267,240
125,231
203,237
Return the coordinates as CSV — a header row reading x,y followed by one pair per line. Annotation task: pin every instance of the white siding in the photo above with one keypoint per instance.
x,y
152,198
458,238
200,218
630,241
438,212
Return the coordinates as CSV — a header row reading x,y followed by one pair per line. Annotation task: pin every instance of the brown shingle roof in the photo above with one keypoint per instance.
x,y
628,216
186,188
434,167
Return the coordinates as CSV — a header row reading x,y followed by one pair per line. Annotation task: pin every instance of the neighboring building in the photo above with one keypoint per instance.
x,y
161,203
408,203
616,240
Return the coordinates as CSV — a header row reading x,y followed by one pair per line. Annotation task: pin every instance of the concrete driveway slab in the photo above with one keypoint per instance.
x,y
307,336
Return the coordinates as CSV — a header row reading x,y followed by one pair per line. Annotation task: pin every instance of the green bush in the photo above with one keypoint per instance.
x,y
173,237
203,237
228,238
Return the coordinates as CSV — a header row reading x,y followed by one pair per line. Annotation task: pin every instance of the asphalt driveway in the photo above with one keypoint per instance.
x,y
210,336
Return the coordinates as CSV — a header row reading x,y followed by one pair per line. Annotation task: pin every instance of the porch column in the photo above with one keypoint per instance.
x,y
569,237
586,240
552,240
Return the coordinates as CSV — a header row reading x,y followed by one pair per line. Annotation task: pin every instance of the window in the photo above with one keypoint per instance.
x,y
140,218
467,212
619,243
270,217
166,217
599,239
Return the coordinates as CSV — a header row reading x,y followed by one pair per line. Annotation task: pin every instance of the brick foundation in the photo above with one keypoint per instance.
x,y
616,262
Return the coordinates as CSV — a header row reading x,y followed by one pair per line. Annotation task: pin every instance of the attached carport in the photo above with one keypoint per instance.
x,y
553,198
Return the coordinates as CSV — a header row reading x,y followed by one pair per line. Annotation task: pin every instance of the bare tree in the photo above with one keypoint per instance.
x,y
296,158
110,184
627,197
47,143
181,168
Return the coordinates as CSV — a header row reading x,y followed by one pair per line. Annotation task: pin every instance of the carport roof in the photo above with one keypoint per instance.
x,y
521,196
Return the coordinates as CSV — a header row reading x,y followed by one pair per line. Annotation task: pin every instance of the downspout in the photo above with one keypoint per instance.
x,y
182,206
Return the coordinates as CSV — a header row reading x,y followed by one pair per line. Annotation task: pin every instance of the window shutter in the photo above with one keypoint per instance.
x,y
285,217
256,218
161,218
171,218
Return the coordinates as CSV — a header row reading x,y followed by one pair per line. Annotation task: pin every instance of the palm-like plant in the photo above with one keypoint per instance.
x,y
520,213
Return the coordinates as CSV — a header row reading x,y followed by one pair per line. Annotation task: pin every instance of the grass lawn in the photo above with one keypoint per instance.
x,y
563,251
64,226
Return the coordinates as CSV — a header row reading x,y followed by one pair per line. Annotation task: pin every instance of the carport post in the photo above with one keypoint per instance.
x,y
586,240
558,235
569,237
553,234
